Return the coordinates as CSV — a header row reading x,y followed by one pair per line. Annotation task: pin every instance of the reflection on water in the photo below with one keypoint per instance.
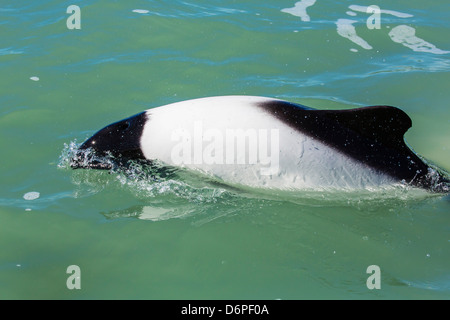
x,y
403,34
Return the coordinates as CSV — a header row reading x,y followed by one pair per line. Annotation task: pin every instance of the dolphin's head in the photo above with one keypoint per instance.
x,y
118,141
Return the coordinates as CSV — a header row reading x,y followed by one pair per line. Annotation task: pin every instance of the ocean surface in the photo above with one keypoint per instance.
x,y
64,76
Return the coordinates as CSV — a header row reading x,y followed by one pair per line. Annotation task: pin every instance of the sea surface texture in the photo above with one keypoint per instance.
x,y
69,68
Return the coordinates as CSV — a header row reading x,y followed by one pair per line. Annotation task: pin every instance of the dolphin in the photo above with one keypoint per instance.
x,y
269,143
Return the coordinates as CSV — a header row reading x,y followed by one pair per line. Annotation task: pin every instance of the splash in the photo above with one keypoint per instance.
x,y
145,179
73,156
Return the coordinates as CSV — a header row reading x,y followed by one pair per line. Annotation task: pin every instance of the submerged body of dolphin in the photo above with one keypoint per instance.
x,y
265,142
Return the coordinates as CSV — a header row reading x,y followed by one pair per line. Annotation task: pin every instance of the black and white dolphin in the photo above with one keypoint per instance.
x,y
271,143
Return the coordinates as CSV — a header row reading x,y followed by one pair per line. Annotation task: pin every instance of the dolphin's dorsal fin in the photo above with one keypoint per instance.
x,y
384,124
381,124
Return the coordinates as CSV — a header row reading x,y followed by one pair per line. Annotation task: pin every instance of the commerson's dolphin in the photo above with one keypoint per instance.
x,y
270,143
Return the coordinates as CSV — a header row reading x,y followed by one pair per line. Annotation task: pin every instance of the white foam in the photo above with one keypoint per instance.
x,y
351,13
31,195
34,78
346,29
406,36
355,7
299,9
141,11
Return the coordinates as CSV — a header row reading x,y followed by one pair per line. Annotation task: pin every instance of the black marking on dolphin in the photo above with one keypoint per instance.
x,y
371,135
119,140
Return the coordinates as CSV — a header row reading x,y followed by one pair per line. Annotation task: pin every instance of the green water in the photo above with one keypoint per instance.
x,y
186,238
